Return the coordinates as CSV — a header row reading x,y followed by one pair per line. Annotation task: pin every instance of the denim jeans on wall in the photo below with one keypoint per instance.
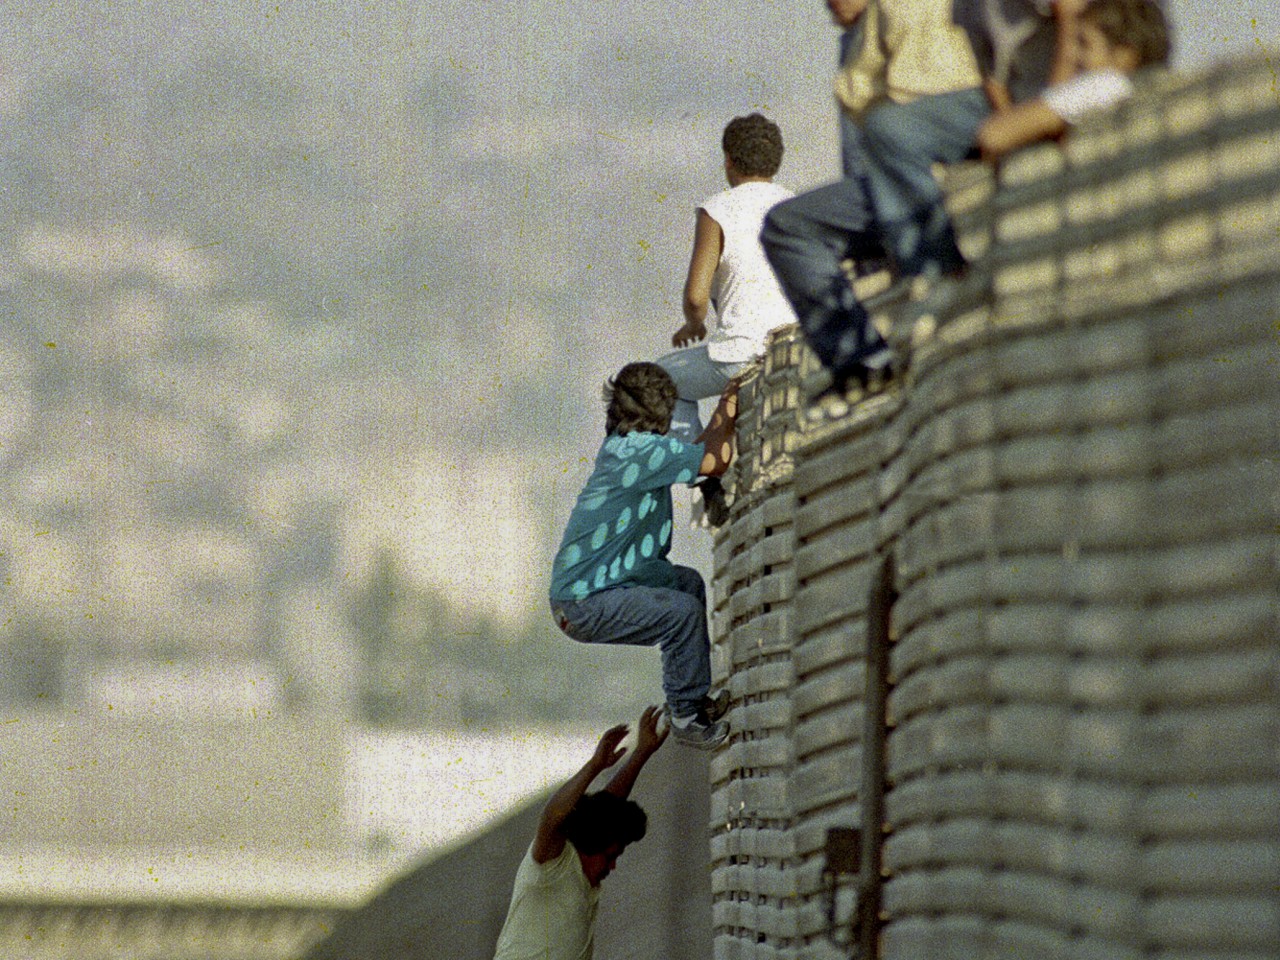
x,y
805,240
903,142
697,377
674,620
896,208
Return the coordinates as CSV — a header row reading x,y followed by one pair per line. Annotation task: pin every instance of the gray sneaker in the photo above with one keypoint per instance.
x,y
717,706
700,732
715,506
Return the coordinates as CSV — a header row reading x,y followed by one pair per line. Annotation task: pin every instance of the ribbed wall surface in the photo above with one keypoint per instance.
x,y
1077,480
752,814
839,531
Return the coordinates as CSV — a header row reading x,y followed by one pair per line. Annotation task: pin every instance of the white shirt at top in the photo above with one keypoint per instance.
x,y
1088,92
748,301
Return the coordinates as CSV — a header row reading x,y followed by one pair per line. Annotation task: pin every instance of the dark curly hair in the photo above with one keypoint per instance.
x,y
639,398
1138,24
754,144
600,820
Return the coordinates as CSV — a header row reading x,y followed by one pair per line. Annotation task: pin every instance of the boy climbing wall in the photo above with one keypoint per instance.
x,y
611,581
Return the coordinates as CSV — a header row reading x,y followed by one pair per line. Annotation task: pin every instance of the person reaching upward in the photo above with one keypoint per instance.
x,y
580,837
611,581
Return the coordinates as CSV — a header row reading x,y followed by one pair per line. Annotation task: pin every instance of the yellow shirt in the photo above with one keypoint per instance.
x,y
553,911
911,49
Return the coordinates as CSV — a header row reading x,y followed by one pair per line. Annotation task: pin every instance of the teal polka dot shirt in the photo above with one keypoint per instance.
x,y
619,532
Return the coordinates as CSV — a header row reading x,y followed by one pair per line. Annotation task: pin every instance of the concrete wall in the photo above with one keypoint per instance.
x,y
159,838
1068,507
94,777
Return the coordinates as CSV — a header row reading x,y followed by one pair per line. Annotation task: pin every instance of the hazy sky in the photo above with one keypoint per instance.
x,y
559,149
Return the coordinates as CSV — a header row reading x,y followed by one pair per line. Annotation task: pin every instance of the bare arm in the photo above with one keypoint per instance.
x,y
718,436
708,243
1016,127
850,11
648,740
549,841
1066,15
997,94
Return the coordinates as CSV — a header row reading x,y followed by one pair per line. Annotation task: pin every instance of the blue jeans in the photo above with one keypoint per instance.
x,y
853,150
674,620
903,141
697,377
805,240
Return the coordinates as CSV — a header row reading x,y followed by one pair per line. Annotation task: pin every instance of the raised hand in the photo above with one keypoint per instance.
x,y
608,751
691,332
648,737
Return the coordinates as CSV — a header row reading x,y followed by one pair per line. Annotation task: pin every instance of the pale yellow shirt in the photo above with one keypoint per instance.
x,y
911,49
553,911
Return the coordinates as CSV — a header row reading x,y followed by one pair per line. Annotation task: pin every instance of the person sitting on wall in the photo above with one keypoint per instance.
x,y
848,16
728,271
611,581
580,837
914,78
1014,43
1101,45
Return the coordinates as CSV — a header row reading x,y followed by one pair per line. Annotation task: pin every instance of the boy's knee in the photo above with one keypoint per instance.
x,y
684,619
689,582
691,609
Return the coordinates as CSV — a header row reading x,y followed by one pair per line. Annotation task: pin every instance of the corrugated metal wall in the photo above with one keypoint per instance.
x,y
1072,503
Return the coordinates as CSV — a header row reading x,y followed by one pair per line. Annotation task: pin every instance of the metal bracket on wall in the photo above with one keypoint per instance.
x,y
841,857
867,921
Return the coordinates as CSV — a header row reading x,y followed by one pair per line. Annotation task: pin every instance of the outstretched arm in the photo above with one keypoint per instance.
x,y
997,94
1066,18
708,242
1019,126
718,437
648,740
549,841
1013,126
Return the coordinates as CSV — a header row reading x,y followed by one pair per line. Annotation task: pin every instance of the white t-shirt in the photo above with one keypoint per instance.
x,y
1088,92
553,911
748,301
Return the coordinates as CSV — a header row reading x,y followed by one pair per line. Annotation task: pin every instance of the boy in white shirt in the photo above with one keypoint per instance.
x,y
728,271
1101,44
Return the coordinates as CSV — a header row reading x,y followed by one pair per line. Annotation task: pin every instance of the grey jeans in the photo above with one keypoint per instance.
x,y
674,620
697,377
